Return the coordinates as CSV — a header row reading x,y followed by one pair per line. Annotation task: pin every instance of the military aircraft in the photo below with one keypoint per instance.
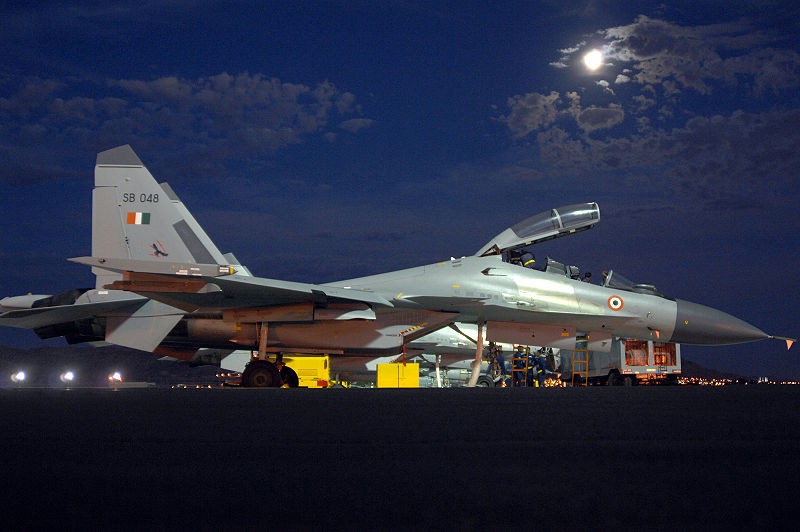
x,y
163,286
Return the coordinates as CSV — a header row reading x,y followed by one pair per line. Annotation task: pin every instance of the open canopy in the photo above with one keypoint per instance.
x,y
548,225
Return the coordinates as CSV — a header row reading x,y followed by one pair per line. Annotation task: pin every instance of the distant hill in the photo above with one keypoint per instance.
x,y
93,365
692,369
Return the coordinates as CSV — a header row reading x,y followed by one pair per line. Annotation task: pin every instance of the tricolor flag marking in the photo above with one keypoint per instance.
x,y
138,218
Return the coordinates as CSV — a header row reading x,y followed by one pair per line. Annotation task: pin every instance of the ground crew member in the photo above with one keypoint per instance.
x,y
531,373
541,369
499,360
501,366
519,363
497,365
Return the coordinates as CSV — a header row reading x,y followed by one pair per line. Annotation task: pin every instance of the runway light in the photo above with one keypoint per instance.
x,y
18,376
67,376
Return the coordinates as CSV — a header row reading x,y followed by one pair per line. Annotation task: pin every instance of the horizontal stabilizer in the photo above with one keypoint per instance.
x,y
145,328
21,302
44,316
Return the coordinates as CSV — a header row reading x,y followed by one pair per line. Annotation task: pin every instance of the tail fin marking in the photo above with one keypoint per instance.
x,y
133,217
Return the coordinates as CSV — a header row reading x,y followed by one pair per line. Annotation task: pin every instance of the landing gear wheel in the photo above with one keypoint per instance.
x,y
261,374
484,382
289,377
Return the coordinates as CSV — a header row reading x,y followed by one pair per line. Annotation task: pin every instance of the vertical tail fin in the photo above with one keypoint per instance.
x,y
133,217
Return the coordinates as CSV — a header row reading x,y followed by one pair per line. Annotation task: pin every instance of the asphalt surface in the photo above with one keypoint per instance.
x,y
599,458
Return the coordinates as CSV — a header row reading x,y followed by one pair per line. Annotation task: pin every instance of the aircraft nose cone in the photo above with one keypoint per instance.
x,y
698,324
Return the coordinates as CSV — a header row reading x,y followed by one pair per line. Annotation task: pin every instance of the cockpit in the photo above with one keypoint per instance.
x,y
513,244
527,259
610,278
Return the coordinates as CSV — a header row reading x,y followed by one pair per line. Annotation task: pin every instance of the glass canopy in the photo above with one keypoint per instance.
x,y
547,225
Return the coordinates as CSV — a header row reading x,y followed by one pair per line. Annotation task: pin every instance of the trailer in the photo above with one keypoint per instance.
x,y
628,362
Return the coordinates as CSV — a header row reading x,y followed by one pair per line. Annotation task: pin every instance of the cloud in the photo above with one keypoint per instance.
x,y
743,159
530,112
533,112
606,86
595,118
241,115
356,124
663,122
660,53
35,93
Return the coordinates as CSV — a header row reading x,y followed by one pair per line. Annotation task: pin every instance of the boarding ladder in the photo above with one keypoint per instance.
x,y
580,360
519,368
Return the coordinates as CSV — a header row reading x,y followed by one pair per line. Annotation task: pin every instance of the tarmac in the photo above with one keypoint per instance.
x,y
667,458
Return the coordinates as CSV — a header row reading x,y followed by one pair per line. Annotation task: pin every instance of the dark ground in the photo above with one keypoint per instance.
x,y
567,458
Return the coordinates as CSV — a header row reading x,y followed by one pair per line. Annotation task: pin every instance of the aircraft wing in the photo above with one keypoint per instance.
x,y
271,291
195,286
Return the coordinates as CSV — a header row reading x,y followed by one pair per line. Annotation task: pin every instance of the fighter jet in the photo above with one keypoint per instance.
x,y
163,286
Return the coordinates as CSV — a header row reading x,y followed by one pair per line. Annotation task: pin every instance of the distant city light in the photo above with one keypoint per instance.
x,y
18,376
593,59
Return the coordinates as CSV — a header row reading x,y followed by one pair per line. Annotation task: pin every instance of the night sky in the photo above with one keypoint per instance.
x,y
329,140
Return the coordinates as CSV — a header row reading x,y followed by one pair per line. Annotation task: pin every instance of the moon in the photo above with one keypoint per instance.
x,y
593,59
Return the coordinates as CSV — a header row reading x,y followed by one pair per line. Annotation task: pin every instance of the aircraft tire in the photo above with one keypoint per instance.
x,y
614,379
484,382
261,374
289,377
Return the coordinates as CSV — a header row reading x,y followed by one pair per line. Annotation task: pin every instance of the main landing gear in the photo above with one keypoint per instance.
x,y
261,373
265,374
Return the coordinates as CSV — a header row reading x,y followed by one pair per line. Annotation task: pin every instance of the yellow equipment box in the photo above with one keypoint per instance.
x,y
398,375
313,371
